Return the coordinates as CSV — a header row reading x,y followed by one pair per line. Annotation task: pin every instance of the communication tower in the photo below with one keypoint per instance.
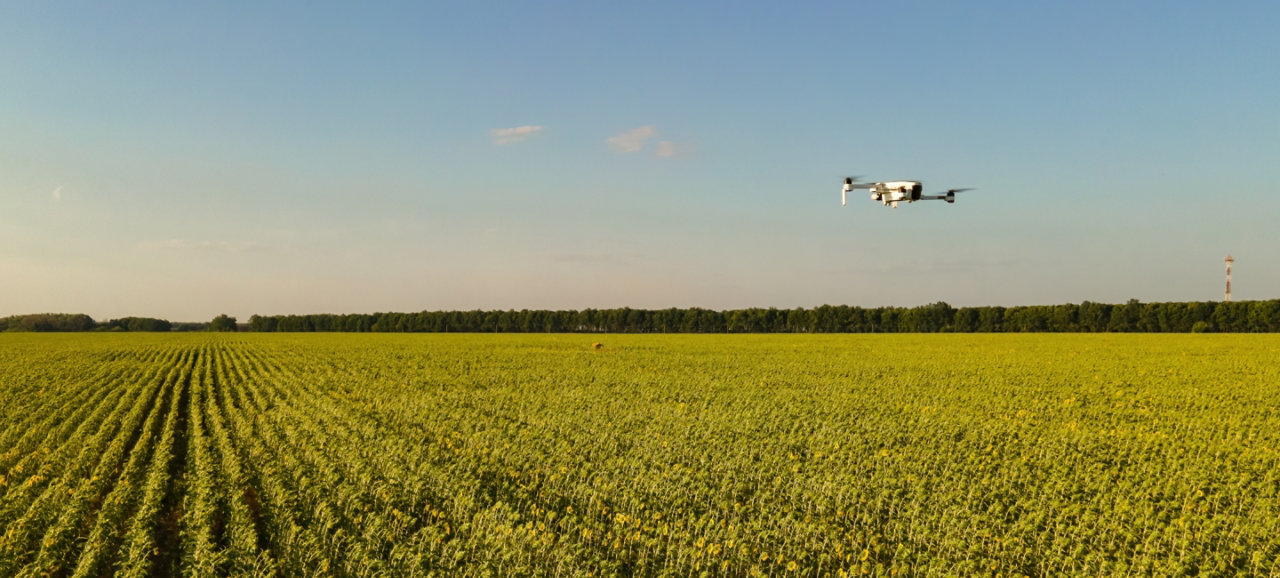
x,y
1229,261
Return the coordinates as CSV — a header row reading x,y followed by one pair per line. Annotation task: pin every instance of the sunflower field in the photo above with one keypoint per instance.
x,y
639,455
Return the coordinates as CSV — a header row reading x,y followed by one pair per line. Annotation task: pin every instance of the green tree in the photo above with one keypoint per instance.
x,y
222,323
1094,317
1125,317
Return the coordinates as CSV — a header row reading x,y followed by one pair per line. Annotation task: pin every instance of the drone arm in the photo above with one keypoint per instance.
x,y
949,197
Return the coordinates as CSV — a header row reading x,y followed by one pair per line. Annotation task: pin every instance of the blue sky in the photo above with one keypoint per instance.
x,y
180,161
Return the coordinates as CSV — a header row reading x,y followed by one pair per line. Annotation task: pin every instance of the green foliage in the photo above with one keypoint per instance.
x,y
222,323
1087,317
804,455
61,322
45,322
136,324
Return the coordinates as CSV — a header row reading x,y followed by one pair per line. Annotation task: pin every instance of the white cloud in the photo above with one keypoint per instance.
x,y
514,134
632,140
56,194
186,244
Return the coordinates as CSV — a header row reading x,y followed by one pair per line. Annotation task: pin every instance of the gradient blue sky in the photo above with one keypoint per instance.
x,y
173,160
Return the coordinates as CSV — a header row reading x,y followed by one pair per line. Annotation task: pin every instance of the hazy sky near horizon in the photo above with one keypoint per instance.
x,y
180,160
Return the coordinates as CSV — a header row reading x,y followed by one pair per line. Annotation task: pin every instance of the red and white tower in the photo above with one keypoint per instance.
x,y
1229,261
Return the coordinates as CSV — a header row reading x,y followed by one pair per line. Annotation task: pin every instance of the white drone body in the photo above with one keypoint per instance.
x,y
890,193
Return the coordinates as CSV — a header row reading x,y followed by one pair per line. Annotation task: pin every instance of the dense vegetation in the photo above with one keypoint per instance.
x,y
47,322
63,322
1088,317
216,454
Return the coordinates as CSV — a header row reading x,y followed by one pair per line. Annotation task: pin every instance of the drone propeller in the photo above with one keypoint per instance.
x,y
953,191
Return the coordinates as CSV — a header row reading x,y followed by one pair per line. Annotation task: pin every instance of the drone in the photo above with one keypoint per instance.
x,y
893,192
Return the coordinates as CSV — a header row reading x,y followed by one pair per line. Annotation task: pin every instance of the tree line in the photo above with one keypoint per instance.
x,y
1086,317
53,322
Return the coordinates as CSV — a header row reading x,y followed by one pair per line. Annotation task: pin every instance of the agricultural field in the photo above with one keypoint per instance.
x,y
775,455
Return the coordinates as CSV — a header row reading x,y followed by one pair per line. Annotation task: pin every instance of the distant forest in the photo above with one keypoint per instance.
x,y
1236,317
82,322
1087,317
